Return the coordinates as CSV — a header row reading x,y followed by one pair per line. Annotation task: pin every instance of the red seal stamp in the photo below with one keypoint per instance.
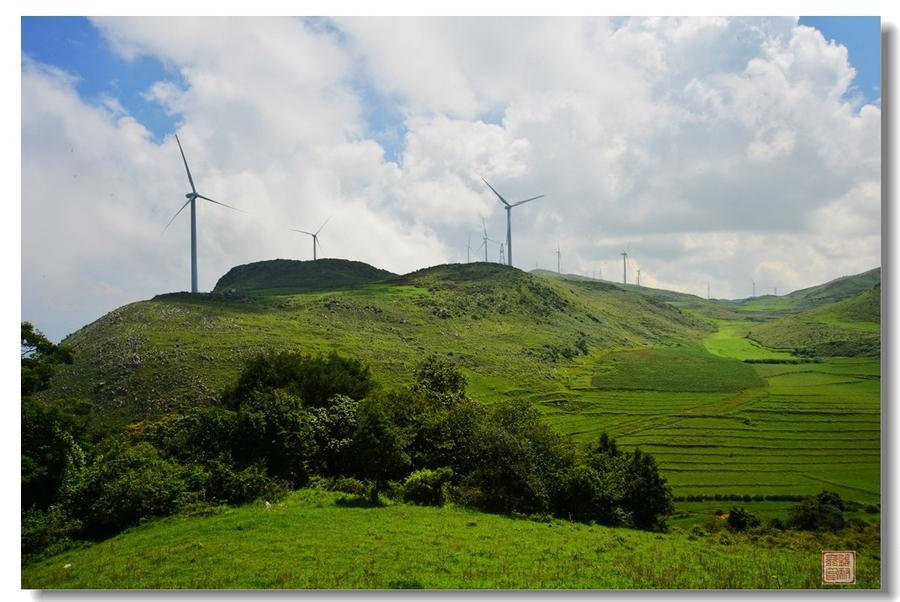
x,y
838,568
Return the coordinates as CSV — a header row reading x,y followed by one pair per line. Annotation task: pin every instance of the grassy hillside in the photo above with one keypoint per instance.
x,y
837,289
844,328
589,355
309,541
510,331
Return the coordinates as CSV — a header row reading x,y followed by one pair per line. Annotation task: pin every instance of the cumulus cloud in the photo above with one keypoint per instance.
x,y
718,150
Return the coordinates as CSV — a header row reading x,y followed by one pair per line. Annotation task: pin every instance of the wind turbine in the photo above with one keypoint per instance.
x,y
484,241
639,277
624,267
754,287
315,235
558,252
192,197
468,248
508,208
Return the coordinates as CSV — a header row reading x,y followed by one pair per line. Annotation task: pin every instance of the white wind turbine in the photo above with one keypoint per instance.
x,y
509,206
192,197
315,235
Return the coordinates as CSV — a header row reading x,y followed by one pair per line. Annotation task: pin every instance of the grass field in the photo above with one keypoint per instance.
x,y
307,541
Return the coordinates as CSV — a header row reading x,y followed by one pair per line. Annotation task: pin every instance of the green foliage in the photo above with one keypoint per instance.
x,y
315,380
440,380
823,512
122,485
53,439
741,520
379,443
428,487
40,357
285,276
333,427
224,483
47,531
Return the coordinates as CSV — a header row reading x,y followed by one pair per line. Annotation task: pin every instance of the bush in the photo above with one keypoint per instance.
x,y
122,485
350,485
824,512
428,487
333,427
440,380
226,484
42,529
741,520
315,380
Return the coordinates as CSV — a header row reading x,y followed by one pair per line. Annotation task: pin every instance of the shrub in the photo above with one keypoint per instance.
x,y
226,484
741,520
315,380
824,512
440,380
42,529
121,486
428,487
333,427
350,485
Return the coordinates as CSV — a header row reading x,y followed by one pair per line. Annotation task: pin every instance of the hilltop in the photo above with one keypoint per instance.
x,y
283,276
509,330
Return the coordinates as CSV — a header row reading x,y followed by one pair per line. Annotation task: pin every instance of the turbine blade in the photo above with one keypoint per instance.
x,y
186,168
316,241
206,198
495,192
534,198
323,225
303,231
176,215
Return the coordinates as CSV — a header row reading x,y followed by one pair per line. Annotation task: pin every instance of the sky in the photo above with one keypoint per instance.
x,y
720,150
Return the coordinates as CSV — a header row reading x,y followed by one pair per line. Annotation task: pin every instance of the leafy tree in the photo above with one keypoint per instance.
x,y
647,495
315,380
379,444
741,520
823,512
440,380
39,359
333,428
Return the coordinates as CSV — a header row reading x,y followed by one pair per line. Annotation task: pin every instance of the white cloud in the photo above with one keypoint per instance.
x,y
712,149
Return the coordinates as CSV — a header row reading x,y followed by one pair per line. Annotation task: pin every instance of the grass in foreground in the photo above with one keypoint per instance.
x,y
308,541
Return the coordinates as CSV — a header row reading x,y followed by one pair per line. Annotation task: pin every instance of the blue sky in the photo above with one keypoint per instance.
x,y
74,45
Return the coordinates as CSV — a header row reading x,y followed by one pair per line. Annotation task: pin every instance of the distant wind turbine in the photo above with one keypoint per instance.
x,y
315,235
192,197
501,254
558,253
624,267
509,208
468,248
639,277
484,241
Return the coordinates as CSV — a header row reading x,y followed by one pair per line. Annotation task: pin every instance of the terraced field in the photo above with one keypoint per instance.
x,y
768,430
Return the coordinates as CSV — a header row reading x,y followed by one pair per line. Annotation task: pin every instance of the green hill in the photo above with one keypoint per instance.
x,y
844,328
309,541
509,330
837,289
284,276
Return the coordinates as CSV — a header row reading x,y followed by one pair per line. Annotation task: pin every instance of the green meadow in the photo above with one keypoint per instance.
x,y
308,540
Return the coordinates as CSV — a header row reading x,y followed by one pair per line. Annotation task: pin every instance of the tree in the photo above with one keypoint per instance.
x,y
379,444
440,380
314,379
39,359
647,495
824,512
741,520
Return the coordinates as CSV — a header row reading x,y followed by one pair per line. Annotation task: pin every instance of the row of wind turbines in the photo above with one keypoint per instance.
x,y
193,195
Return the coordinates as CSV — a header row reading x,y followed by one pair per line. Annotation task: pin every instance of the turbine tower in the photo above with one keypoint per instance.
x,y
484,241
468,248
192,197
639,277
707,290
557,259
315,235
624,267
509,208
754,288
